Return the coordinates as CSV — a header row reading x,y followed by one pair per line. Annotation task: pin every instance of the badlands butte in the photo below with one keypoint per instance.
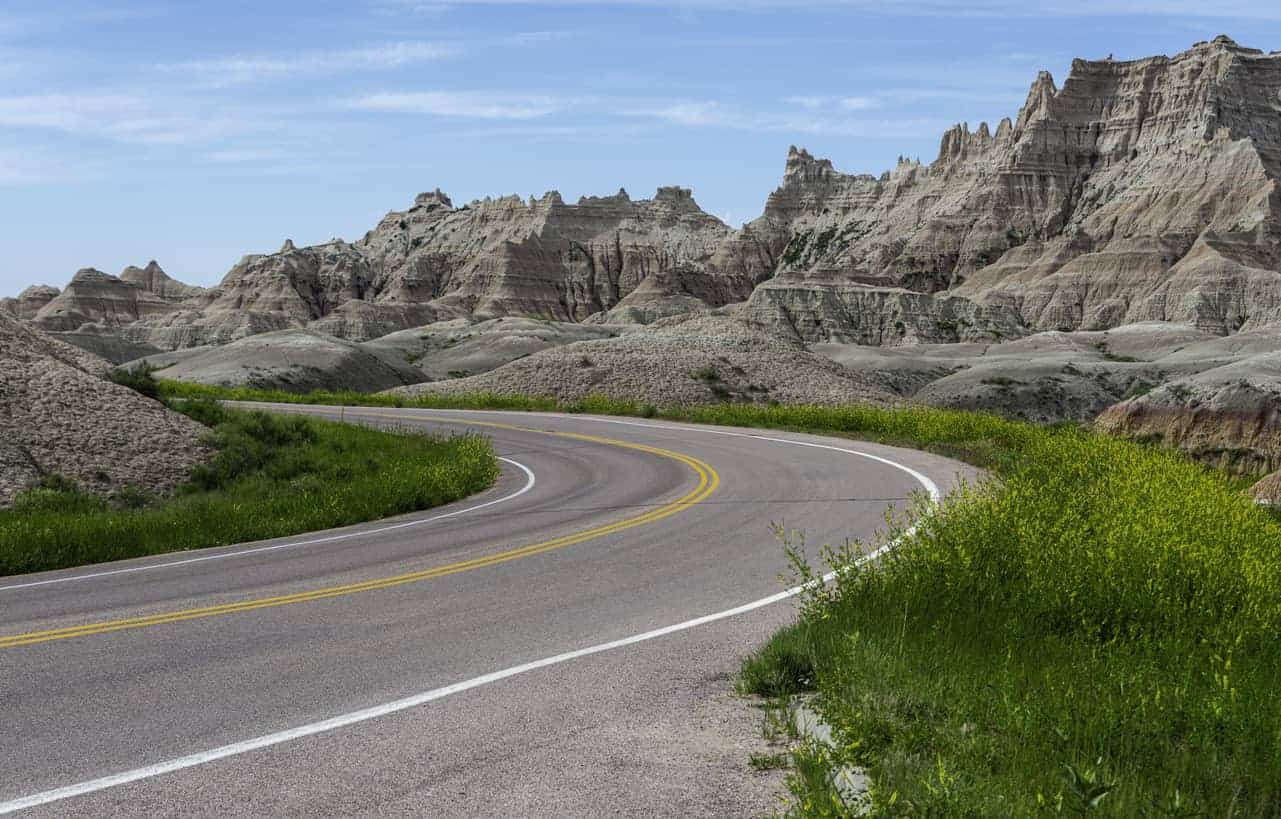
x,y
1111,254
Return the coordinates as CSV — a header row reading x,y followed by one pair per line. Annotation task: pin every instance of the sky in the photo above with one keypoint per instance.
x,y
194,133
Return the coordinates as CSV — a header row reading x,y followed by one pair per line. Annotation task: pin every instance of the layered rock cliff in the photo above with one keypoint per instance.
x,y
1141,190
97,301
506,256
29,302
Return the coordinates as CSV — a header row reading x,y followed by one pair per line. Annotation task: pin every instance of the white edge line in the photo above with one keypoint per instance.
x,y
351,718
530,480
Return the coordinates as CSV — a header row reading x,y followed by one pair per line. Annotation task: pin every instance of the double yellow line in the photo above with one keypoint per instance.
x,y
708,481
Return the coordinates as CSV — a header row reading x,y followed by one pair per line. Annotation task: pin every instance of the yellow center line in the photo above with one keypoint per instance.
x,y
708,481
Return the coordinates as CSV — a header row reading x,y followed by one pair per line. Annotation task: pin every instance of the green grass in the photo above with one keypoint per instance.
x,y
180,390
769,762
271,476
1094,632
983,440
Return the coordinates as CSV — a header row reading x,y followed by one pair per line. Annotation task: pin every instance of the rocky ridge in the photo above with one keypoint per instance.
x,y
29,302
1139,191
539,257
98,302
1142,190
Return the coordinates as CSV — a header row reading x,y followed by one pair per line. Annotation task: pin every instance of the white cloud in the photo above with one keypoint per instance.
x,y
688,113
466,104
123,117
242,155
827,115
1227,9
67,112
830,115
236,70
538,37
34,166
818,103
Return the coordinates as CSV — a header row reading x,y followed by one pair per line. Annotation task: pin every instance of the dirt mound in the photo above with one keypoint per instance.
x,y
293,360
1268,491
462,347
682,360
1228,416
60,417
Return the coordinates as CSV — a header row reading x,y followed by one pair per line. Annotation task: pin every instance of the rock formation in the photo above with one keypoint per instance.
x,y
60,417
542,258
295,360
29,302
462,347
154,280
1267,492
99,302
679,360
1139,191
1228,416
1116,242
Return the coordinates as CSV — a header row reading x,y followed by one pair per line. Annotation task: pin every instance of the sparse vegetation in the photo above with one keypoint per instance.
x,y
1108,355
1001,381
769,762
1139,388
271,476
795,249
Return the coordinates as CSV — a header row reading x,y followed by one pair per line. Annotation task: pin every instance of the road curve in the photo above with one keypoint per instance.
x,y
507,655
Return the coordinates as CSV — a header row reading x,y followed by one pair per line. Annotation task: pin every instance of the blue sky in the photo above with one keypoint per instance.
x,y
195,133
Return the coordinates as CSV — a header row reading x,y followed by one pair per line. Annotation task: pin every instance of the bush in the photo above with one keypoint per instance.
x,y
140,379
248,442
202,410
39,500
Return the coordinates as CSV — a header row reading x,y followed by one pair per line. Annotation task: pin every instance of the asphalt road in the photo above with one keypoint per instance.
x,y
377,669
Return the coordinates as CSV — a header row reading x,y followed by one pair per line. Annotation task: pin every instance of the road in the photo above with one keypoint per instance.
x,y
506,655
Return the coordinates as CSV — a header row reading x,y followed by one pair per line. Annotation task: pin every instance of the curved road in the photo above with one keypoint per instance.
x,y
506,655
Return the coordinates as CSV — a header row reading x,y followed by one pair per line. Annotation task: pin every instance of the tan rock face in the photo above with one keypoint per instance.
x,y
1140,191
29,302
542,258
97,298
59,416
1268,490
1228,416
153,279
548,259
295,360
680,360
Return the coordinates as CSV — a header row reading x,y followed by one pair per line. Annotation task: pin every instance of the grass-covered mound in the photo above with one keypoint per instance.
x,y
271,476
1096,631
